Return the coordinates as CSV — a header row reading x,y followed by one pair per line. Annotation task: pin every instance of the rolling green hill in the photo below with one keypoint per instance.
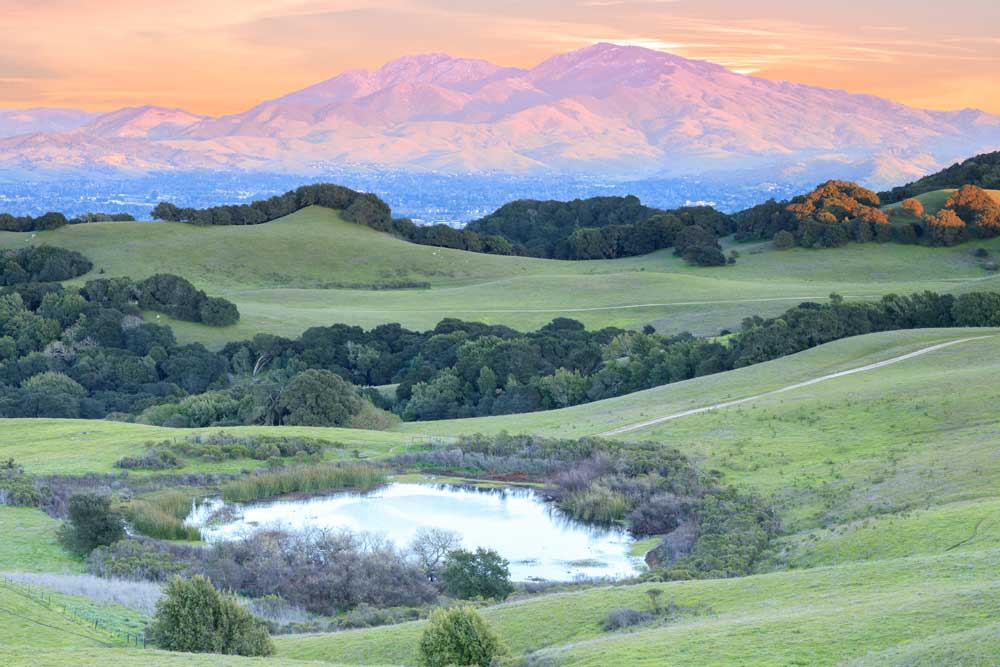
x,y
886,482
313,268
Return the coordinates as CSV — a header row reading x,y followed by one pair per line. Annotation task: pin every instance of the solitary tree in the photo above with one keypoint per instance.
x,y
91,523
192,616
459,636
482,573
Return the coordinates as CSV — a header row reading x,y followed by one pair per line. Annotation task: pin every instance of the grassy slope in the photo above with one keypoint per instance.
x,y
806,617
284,277
27,624
29,543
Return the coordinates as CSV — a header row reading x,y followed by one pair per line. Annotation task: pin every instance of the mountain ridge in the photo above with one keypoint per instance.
x,y
606,110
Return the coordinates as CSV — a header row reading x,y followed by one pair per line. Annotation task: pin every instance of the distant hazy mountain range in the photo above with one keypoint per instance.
x,y
615,112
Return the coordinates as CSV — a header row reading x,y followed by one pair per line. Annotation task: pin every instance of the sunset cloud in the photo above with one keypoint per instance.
x,y
220,56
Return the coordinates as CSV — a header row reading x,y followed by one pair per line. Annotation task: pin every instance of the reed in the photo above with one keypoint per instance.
x,y
162,516
303,479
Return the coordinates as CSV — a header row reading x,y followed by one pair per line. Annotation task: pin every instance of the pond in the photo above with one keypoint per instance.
x,y
539,541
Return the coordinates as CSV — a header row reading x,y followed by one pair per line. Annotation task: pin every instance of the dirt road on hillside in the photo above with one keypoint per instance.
x,y
797,385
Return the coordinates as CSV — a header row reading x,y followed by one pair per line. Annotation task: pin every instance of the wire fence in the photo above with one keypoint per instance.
x,y
79,614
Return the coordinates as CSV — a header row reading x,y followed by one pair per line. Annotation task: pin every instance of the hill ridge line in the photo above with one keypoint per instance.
x,y
798,385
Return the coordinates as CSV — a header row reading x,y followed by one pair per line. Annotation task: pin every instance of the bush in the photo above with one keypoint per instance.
x,y
458,636
132,560
784,240
155,458
91,524
621,618
195,618
479,574
218,312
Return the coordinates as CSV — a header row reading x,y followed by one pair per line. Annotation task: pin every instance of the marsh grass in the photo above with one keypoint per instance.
x,y
597,504
303,479
162,516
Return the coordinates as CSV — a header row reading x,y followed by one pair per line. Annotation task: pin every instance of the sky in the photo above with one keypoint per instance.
x,y
223,56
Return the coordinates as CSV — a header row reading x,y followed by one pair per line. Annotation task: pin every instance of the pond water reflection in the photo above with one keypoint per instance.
x,y
538,540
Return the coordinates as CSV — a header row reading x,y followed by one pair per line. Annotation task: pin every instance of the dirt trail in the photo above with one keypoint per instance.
x,y
797,385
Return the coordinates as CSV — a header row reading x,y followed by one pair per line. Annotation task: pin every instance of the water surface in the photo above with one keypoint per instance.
x,y
538,540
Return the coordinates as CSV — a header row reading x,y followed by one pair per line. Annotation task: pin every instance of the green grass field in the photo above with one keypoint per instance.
x,y
305,270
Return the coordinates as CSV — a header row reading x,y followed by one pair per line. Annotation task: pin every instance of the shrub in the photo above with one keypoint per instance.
x,y
195,618
784,240
458,636
132,560
91,523
218,312
18,489
621,618
308,479
155,458
479,574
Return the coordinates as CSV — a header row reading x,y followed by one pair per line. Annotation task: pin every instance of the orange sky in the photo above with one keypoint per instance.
x,y
222,56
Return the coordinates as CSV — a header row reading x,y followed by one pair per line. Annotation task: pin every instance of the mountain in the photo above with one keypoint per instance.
x,y
41,119
616,112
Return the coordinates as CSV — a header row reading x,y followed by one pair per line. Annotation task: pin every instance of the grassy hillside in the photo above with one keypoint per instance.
x,y
306,270
886,483
812,617
28,625
35,548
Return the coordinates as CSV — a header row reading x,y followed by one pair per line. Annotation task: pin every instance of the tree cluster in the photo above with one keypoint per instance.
x,y
829,216
88,354
163,293
600,228
54,220
41,264
64,355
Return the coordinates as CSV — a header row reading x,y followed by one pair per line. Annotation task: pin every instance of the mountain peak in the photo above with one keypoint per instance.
x,y
147,122
614,110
